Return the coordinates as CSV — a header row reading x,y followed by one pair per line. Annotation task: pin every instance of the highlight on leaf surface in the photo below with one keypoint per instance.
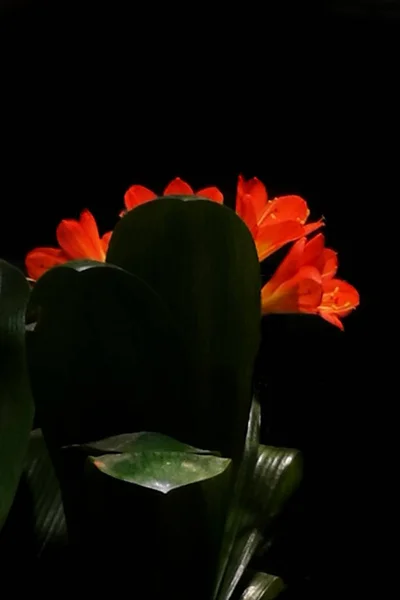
x,y
261,586
156,461
161,471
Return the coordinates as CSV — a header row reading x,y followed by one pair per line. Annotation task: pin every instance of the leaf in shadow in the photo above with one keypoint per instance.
x,y
242,483
36,525
16,404
200,258
277,474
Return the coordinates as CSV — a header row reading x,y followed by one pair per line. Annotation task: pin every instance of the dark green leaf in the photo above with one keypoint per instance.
x,y
161,471
200,258
49,517
262,586
104,356
36,523
16,406
277,474
243,484
143,441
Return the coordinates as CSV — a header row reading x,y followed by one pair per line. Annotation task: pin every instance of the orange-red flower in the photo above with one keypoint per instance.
x,y
273,223
339,299
138,194
77,239
304,283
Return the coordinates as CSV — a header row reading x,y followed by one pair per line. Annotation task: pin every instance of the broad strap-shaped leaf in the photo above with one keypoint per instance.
x,y
16,405
277,474
144,441
242,487
104,355
36,524
200,258
161,471
261,586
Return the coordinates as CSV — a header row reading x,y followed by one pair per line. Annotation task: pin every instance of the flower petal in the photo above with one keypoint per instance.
x,y
314,251
311,227
178,187
105,240
251,192
136,195
289,266
270,238
89,226
80,239
300,294
339,297
245,210
333,320
285,208
330,264
323,258
212,193
40,260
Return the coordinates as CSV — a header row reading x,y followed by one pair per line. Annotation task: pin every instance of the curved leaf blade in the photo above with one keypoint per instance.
x,y
49,518
16,404
143,441
242,483
277,474
161,471
102,334
200,258
262,586
36,524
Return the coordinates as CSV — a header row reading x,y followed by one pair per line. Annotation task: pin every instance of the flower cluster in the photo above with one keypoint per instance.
x,y
305,281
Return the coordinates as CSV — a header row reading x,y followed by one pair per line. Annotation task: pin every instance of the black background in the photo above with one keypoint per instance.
x,y
95,99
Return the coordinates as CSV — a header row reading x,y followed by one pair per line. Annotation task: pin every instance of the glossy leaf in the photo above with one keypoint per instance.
x,y
16,406
143,441
277,474
161,471
262,586
242,487
36,524
104,356
201,259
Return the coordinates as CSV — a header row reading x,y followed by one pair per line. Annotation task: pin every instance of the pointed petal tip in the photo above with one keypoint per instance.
x,y
211,193
178,187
